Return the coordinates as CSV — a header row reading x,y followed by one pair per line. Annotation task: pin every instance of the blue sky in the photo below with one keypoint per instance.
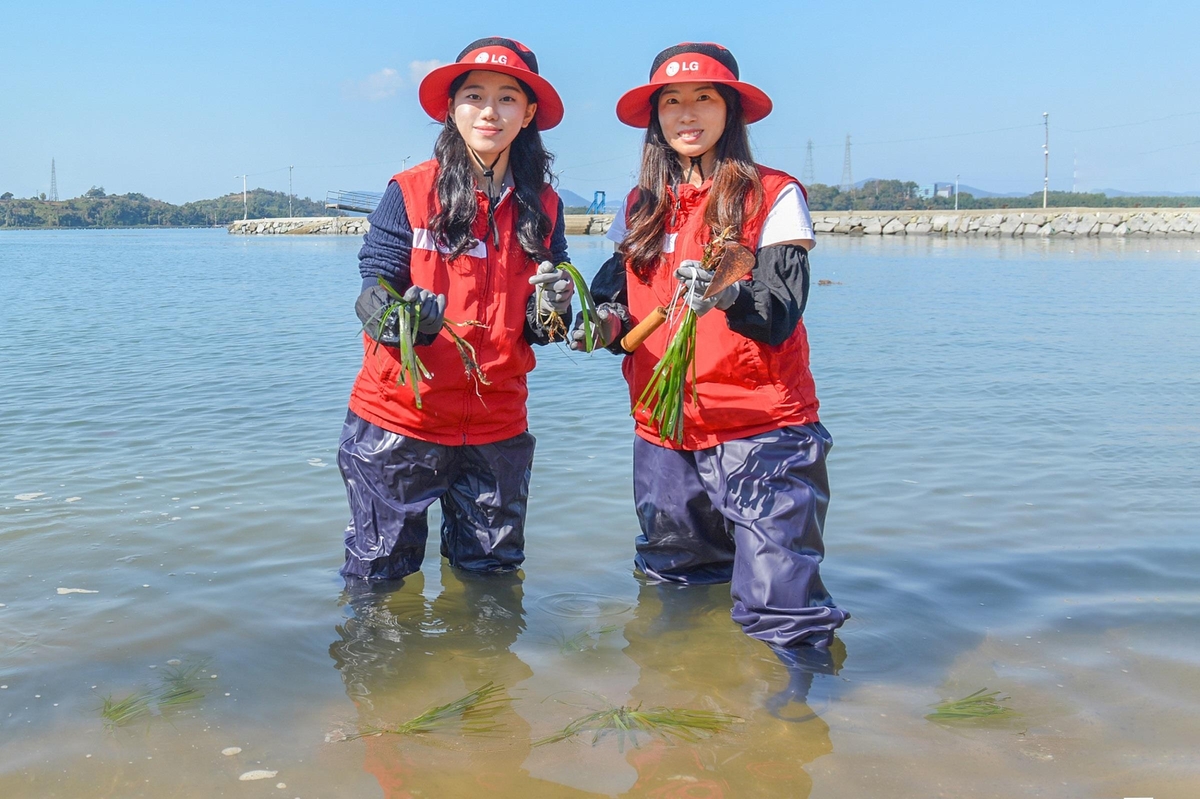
x,y
173,100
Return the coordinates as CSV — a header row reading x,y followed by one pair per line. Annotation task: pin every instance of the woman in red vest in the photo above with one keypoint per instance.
x,y
742,497
461,235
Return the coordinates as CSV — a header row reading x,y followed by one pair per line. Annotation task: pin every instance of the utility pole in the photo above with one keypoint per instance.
x,y
404,162
1046,152
956,192
245,205
53,183
808,174
290,168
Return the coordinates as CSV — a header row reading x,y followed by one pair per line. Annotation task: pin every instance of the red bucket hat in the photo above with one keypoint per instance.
x,y
494,54
692,62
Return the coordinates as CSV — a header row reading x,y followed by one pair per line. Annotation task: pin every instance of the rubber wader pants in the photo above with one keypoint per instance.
x,y
748,511
391,480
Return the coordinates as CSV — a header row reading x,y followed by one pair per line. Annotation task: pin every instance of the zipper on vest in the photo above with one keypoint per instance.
x,y
492,221
485,303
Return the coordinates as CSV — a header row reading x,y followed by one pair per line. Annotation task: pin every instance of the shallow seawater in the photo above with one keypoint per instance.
x,y
1016,484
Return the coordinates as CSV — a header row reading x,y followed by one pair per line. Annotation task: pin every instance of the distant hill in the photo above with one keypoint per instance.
x,y
974,192
1119,193
97,209
572,200
897,195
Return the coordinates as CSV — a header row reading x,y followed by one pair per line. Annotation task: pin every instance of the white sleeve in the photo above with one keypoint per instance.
x,y
616,231
788,219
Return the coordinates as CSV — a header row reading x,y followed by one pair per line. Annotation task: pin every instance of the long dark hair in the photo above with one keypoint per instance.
x,y
528,161
737,190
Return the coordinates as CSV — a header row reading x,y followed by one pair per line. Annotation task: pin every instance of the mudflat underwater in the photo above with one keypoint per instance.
x,y
1015,494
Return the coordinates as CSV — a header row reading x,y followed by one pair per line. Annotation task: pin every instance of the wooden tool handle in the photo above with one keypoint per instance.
x,y
634,338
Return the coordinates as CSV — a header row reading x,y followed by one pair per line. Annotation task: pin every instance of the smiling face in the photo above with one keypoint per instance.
x,y
692,117
489,110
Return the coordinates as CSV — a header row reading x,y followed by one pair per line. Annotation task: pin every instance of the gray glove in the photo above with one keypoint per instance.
x,y
432,309
605,329
698,280
557,287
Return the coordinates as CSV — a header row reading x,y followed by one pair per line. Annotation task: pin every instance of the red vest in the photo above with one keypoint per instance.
x,y
488,284
743,387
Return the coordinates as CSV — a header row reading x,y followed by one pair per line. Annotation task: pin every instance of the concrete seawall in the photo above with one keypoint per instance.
x,y
302,225
1116,222
577,225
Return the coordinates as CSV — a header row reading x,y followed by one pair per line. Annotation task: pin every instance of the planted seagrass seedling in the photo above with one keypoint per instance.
x,y
628,722
119,712
582,640
473,714
552,321
412,369
665,393
179,686
976,706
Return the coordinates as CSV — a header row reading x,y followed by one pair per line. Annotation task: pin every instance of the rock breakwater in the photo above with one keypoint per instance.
x,y
1114,222
577,225
301,225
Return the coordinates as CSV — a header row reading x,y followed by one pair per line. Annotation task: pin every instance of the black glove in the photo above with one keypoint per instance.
x,y
369,307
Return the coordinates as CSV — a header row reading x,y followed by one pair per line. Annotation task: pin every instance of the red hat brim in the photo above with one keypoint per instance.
x,y
634,106
435,91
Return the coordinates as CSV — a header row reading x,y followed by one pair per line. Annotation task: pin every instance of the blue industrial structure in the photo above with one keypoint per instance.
x,y
597,206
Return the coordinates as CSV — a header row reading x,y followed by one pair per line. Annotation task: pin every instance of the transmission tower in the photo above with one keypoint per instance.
x,y
847,174
53,183
807,175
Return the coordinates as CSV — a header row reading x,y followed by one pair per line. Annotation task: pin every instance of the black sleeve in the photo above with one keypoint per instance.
x,y
610,291
609,284
535,331
770,305
558,239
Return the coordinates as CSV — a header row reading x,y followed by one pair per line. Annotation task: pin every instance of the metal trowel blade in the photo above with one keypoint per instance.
x,y
736,262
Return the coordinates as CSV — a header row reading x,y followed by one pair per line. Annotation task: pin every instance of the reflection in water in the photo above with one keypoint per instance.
x,y
689,654
802,663
400,653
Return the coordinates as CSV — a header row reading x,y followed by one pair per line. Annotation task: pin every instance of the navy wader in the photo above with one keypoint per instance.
x,y
391,480
748,511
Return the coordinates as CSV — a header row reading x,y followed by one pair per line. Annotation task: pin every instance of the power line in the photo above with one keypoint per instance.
x,y
1171,147
921,138
1132,124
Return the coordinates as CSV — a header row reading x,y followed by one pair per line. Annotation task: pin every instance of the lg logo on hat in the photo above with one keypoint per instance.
x,y
484,58
674,67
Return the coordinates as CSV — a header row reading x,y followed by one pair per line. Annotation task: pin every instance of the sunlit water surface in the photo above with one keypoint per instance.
x,y
1016,488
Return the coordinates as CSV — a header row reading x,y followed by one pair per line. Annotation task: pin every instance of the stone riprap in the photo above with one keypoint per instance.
x,y
577,225
1007,223
300,225
1013,223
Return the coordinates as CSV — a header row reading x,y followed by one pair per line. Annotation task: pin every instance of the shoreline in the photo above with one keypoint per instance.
x,y
1017,223
577,225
